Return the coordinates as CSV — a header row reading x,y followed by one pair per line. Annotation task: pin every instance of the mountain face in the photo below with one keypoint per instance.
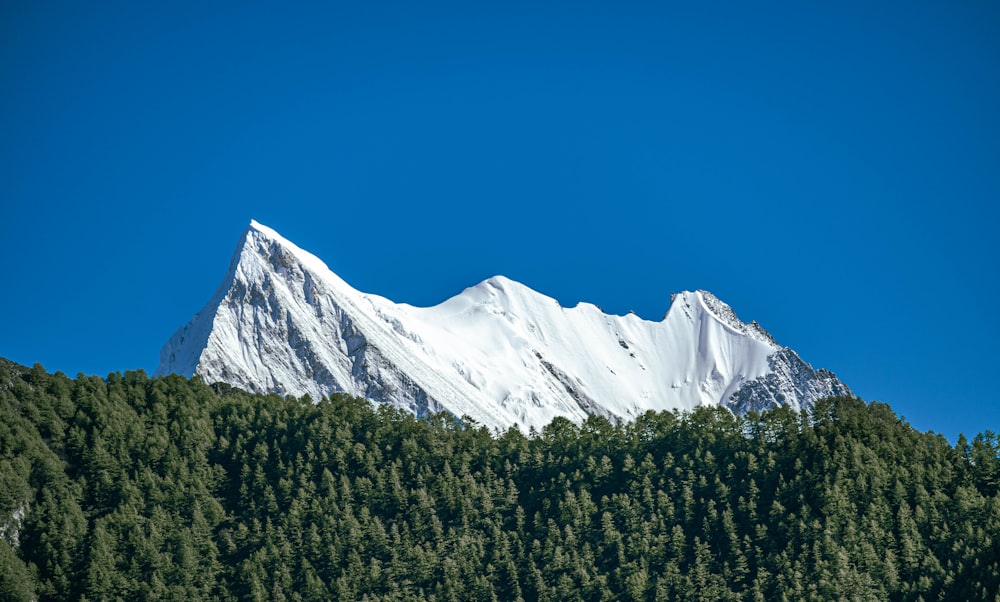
x,y
498,352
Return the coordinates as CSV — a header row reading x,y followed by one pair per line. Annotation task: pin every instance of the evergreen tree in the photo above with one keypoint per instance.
x,y
132,486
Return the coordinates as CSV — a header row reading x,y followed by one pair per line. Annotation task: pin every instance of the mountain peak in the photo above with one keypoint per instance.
x,y
264,231
498,352
726,315
501,282
506,287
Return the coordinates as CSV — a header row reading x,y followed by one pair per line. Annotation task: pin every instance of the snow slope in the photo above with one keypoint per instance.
x,y
498,352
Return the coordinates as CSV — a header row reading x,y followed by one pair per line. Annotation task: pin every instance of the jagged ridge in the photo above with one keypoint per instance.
x,y
498,352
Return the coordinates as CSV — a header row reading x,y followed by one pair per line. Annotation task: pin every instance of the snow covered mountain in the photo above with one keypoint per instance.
x,y
499,352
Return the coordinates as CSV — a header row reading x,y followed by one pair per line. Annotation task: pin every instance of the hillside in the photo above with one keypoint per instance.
x,y
137,487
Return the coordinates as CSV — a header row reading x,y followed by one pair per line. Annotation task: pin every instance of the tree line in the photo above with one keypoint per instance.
x,y
169,488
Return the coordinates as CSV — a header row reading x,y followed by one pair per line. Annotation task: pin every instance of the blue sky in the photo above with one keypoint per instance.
x,y
831,170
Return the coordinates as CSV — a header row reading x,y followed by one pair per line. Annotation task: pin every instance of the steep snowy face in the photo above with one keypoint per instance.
x,y
498,352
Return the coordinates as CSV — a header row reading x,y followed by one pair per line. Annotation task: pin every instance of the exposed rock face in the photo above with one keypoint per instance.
x,y
498,352
789,378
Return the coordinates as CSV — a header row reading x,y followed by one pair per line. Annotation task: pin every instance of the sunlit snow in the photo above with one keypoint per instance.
x,y
498,352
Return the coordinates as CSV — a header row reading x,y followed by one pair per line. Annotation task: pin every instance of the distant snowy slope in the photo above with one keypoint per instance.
x,y
499,352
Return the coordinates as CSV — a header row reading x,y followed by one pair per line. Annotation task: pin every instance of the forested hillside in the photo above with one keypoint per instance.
x,y
165,488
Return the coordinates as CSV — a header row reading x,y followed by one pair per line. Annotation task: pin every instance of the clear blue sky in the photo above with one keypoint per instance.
x,y
830,169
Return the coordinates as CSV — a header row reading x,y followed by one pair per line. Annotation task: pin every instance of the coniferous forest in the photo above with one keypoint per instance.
x,y
168,488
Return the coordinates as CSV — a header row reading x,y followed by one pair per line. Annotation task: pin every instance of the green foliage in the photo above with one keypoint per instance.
x,y
168,488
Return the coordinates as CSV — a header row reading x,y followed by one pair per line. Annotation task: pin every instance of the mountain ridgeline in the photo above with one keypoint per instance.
x,y
499,352
131,487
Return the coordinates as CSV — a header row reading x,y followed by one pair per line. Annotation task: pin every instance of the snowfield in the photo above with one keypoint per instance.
x,y
498,352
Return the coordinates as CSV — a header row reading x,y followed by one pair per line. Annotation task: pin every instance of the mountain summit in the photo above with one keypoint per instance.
x,y
498,352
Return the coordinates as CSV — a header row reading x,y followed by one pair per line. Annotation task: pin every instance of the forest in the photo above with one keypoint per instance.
x,y
167,488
